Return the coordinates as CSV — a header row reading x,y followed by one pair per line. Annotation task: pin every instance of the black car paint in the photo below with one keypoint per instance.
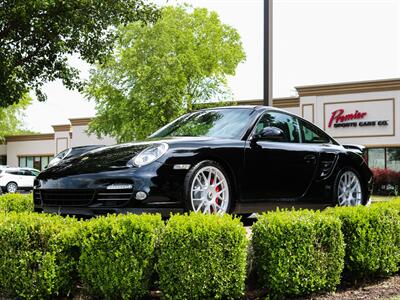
x,y
262,174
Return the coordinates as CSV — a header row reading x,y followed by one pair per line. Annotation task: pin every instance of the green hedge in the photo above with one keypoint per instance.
x,y
372,240
16,202
195,256
298,252
37,255
202,257
118,255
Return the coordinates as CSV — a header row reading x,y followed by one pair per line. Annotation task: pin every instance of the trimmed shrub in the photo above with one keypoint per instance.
x,y
37,255
298,252
202,257
394,204
371,236
16,202
386,182
118,255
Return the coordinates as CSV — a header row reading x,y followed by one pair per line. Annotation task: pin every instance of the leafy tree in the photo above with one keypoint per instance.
x,y
37,36
160,71
11,118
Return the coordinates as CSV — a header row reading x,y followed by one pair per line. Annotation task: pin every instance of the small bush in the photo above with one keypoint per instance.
x,y
16,202
202,257
371,236
386,182
298,252
37,255
118,255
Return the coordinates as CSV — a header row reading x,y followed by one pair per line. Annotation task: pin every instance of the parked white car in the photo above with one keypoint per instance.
x,y
14,179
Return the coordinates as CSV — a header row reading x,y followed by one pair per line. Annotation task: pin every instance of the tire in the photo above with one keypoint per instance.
x,y
11,187
348,188
201,194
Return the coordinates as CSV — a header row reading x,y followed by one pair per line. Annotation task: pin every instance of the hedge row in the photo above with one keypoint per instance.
x,y
16,203
120,257
195,256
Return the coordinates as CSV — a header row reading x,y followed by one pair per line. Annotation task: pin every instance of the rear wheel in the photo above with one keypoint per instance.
x,y
207,189
11,187
348,188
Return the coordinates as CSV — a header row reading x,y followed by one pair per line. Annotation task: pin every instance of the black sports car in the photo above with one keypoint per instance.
x,y
240,159
71,152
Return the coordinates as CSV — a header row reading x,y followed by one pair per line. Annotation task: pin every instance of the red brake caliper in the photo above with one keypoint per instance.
x,y
217,189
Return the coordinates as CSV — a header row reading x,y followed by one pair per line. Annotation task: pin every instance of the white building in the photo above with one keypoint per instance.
x,y
366,113
35,150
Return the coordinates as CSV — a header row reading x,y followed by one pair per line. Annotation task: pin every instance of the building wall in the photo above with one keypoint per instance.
x,y
3,149
62,141
28,148
293,110
379,107
80,137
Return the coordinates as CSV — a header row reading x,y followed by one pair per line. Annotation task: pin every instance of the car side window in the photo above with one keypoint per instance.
x,y
12,172
287,123
312,134
27,173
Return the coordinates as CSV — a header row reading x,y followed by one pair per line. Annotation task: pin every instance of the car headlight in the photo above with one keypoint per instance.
x,y
148,155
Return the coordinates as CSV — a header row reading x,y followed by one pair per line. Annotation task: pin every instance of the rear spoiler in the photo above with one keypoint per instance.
x,y
354,147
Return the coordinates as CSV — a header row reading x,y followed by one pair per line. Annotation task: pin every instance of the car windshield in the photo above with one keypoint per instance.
x,y
222,123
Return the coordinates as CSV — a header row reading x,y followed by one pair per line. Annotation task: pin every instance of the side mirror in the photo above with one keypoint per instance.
x,y
270,134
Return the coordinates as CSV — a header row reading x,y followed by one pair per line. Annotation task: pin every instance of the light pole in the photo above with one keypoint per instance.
x,y
268,52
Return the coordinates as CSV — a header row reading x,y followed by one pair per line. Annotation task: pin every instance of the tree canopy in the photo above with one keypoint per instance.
x,y
159,71
11,118
37,36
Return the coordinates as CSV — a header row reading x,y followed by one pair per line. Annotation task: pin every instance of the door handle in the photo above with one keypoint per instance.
x,y
310,158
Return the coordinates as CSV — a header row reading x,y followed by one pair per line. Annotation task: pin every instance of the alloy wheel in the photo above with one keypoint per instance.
x,y
349,189
12,188
210,191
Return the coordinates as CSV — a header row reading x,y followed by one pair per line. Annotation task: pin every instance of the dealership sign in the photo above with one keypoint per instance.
x,y
340,119
359,118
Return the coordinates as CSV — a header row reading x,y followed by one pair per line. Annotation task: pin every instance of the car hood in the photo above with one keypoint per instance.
x,y
109,158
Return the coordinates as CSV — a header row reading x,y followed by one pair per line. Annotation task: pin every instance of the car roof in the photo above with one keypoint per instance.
x,y
18,169
236,106
25,168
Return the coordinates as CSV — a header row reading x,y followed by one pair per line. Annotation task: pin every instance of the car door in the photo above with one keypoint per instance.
x,y
278,170
14,175
28,178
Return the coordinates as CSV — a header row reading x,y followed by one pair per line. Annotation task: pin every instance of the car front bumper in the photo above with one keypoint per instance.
x,y
112,192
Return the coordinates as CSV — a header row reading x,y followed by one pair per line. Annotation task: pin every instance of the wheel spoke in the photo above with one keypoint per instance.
x,y
222,181
209,175
200,206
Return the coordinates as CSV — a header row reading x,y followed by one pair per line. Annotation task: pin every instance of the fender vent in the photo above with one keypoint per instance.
x,y
327,164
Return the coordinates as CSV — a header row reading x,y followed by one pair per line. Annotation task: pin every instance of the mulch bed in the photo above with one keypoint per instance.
x,y
379,289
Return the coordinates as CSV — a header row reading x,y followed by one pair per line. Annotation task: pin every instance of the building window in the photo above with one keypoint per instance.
x,y
36,162
393,158
384,158
3,159
376,158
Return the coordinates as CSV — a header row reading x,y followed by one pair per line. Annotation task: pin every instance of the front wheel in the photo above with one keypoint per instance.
x,y
11,187
348,188
207,189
